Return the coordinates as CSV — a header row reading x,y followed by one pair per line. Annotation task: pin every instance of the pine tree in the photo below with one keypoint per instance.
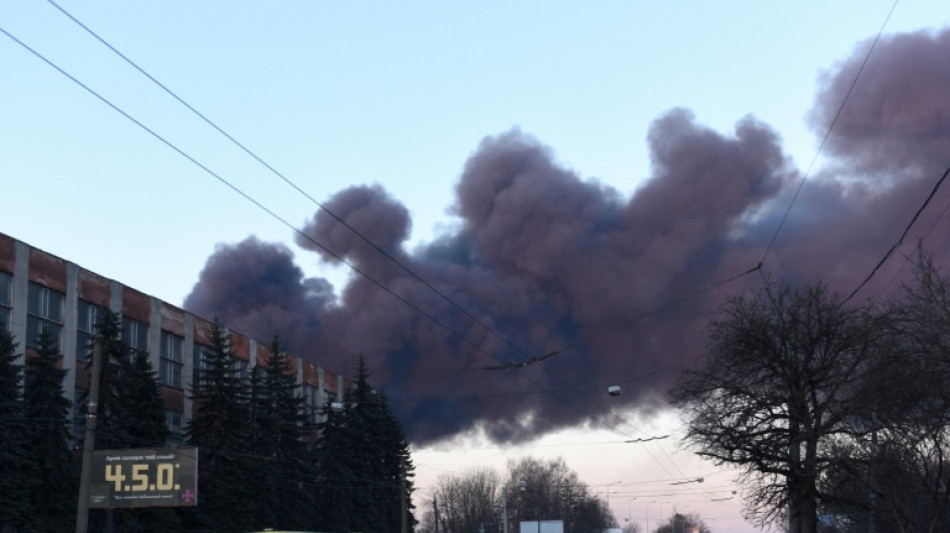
x,y
287,409
219,430
261,443
49,439
288,403
396,468
14,458
364,466
131,409
337,470
131,415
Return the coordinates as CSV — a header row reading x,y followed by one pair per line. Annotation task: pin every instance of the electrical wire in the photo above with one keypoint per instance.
x,y
907,257
827,135
900,240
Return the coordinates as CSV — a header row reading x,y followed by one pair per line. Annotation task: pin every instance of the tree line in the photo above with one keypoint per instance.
x,y
532,490
836,413
262,461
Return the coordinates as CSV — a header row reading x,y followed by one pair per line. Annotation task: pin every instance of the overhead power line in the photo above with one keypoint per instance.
x,y
900,240
827,135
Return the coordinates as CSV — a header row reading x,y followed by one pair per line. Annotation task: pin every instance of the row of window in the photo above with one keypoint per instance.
x,y
45,311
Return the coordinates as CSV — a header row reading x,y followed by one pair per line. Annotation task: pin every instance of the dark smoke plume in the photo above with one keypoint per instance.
x,y
552,261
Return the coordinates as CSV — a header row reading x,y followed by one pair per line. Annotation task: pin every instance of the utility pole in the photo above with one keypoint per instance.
x,y
402,497
435,510
89,440
504,509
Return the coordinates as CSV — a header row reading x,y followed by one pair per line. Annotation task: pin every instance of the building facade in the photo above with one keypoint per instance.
x,y
38,290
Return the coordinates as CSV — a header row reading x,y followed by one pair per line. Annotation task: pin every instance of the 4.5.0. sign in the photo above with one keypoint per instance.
x,y
144,478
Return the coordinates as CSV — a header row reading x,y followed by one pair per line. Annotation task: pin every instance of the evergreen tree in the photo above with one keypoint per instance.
x,y
131,414
48,440
396,468
14,459
289,504
131,409
337,470
288,403
365,471
261,443
219,430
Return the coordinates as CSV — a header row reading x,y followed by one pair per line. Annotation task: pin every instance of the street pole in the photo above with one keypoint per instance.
x,y
89,440
402,498
435,510
504,509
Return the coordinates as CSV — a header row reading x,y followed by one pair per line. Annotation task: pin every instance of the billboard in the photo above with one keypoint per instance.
x,y
164,477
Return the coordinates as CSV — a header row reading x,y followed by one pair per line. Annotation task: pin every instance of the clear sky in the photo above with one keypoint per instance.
x,y
334,94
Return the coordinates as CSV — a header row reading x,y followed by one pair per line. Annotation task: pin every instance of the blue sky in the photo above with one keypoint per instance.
x,y
337,94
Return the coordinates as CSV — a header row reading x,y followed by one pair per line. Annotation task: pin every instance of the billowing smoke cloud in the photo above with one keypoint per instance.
x,y
553,262
253,286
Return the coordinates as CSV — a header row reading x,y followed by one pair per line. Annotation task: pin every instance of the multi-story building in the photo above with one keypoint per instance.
x,y
39,290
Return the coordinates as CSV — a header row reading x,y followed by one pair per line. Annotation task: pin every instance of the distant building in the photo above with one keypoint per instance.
x,y
38,289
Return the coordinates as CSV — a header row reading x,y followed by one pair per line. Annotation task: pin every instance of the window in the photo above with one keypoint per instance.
x,y
6,298
312,402
135,334
171,364
239,367
201,353
173,419
89,315
44,308
80,396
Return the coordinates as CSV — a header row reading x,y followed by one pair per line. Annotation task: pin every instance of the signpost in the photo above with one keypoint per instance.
x,y
144,478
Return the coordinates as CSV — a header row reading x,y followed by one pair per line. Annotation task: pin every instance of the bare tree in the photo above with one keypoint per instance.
x,y
465,503
539,490
893,472
536,490
776,391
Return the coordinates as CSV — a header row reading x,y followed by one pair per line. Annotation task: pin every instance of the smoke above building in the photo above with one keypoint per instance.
x,y
614,280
